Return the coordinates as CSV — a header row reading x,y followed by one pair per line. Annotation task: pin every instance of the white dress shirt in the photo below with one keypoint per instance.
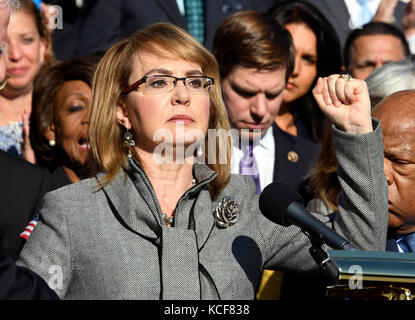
x,y
355,11
180,5
264,153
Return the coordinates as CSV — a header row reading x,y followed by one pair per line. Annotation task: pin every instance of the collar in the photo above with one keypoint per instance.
x,y
132,196
266,141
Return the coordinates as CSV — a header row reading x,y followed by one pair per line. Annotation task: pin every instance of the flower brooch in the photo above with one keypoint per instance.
x,y
226,213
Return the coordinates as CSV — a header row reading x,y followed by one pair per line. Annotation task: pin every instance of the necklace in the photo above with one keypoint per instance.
x,y
168,221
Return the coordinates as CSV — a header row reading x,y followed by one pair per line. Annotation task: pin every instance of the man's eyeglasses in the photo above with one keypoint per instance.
x,y
154,84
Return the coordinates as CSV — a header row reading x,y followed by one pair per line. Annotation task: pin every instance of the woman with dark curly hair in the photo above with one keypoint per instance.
x,y
59,119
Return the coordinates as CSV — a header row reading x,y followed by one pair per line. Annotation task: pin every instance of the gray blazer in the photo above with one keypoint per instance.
x,y
110,243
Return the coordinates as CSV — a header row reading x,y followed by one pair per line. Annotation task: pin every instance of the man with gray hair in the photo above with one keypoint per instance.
x,y
390,78
16,282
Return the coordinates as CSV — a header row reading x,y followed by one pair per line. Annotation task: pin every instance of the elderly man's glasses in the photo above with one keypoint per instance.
x,y
154,84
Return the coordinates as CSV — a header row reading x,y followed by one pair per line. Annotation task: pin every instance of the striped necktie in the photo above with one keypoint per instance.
x,y
407,242
195,18
365,14
248,166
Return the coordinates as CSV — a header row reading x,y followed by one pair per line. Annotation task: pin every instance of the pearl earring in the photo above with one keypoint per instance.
x,y
52,143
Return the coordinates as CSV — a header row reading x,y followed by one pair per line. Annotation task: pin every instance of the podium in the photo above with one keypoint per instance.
x,y
372,275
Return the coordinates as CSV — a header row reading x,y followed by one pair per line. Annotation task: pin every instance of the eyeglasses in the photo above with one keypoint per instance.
x,y
155,84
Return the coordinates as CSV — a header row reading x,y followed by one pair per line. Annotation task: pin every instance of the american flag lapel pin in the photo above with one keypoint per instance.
x,y
29,228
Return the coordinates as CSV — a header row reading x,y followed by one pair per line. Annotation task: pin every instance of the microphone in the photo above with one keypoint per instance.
x,y
281,204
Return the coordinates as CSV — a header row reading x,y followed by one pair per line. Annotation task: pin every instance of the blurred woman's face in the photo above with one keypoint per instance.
x,y
4,20
71,105
305,69
171,117
25,51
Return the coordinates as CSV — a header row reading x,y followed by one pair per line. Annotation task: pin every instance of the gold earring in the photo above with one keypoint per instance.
x,y
4,83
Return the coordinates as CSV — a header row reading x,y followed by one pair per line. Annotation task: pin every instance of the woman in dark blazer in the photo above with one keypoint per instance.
x,y
154,223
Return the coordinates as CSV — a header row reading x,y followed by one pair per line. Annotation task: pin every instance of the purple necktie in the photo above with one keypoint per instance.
x,y
248,166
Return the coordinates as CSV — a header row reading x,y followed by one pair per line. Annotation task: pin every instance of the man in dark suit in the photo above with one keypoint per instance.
x,y
255,56
107,21
22,186
397,114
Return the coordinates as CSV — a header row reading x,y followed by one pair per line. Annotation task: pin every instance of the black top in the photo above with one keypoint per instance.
x,y
22,186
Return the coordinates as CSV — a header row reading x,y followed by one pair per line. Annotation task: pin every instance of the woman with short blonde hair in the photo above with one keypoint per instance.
x,y
106,135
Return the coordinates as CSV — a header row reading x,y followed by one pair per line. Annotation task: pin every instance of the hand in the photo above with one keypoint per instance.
x,y
345,103
386,11
27,153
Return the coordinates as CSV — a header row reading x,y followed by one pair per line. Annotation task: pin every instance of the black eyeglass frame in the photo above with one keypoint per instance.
x,y
136,84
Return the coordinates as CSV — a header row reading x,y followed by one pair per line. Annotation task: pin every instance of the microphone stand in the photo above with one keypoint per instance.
x,y
329,266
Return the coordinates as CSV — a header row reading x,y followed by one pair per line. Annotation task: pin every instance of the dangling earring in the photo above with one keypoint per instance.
x,y
4,83
52,143
128,138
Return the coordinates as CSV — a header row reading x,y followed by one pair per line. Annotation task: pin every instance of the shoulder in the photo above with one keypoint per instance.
x,y
79,191
240,184
15,171
242,190
283,138
16,163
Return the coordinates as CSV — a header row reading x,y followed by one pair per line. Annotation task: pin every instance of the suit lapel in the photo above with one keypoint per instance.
x,y
339,11
171,10
129,205
203,217
391,244
138,210
202,209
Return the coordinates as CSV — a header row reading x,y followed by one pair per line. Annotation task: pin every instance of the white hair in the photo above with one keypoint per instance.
x,y
11,4
14,4
390,78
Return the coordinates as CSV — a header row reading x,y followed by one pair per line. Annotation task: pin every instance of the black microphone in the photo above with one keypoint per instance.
x,y
283,205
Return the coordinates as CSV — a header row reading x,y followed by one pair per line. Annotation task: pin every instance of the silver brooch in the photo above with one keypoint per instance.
x,y
226,213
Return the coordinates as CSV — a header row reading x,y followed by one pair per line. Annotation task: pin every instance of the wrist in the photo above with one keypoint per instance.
x,y
357,129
